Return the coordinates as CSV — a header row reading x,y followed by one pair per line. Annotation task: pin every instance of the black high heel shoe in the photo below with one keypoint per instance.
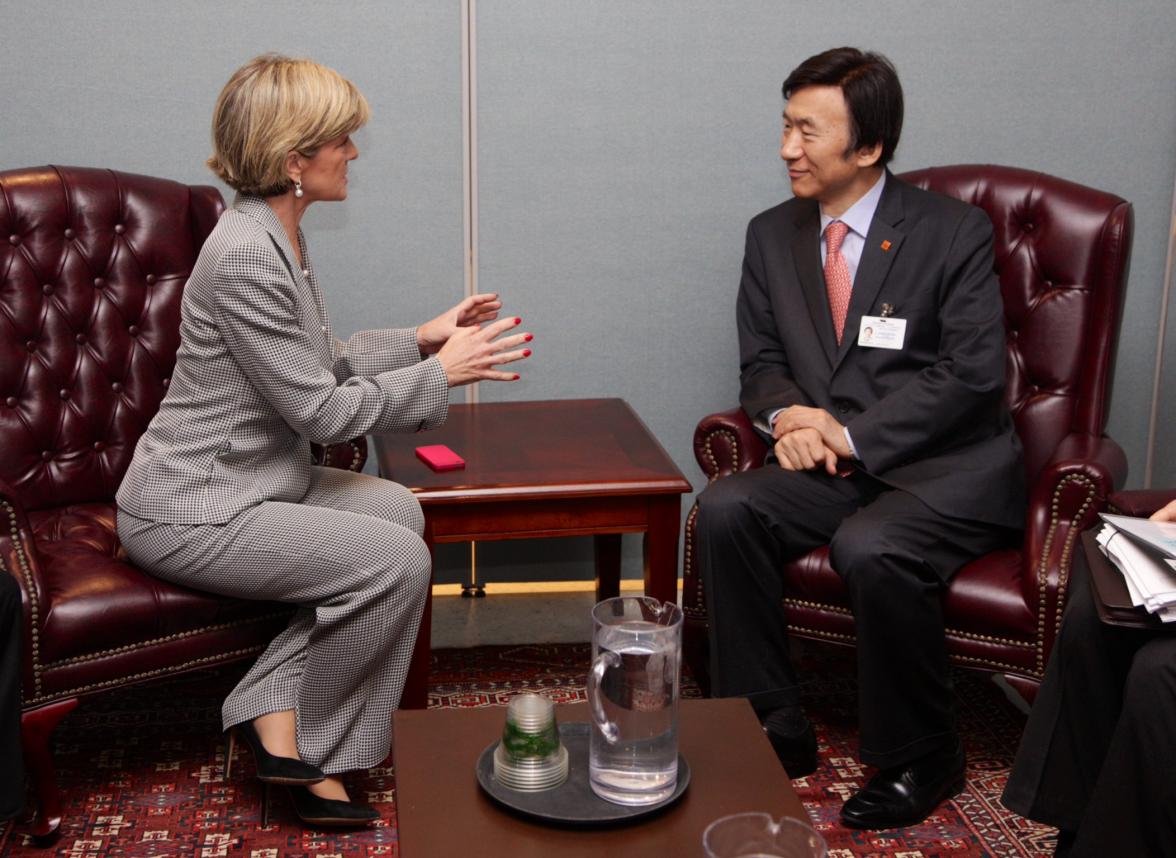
x,y
270,767
329,811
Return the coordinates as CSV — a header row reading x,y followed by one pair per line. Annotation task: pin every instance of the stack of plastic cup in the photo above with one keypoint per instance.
x,y
530,755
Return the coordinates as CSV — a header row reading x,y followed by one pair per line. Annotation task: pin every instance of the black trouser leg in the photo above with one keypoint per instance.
x,y
1074,714
748,524
12,784
1132,810
896,556
1098,752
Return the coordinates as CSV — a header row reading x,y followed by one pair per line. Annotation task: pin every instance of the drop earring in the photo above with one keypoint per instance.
x,y
298,188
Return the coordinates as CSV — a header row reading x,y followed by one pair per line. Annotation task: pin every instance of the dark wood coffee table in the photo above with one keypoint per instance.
x,y
441,810
572,467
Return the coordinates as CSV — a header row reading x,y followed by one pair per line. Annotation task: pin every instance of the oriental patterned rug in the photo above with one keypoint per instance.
x,y
142,770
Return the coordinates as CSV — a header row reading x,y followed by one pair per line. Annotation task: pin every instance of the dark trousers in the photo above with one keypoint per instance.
x,y
12,781
895,555
1098,756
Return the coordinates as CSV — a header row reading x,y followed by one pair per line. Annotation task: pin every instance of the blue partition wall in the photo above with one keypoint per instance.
x,y
621,149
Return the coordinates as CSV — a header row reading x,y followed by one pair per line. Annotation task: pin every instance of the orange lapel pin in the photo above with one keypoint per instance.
x,y
886,245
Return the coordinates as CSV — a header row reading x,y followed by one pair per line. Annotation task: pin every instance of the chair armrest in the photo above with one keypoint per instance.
x,y
1140,502
18,554
725,443
1065,500
347,456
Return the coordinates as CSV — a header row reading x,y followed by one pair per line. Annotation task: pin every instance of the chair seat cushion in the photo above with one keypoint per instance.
x,y
96,605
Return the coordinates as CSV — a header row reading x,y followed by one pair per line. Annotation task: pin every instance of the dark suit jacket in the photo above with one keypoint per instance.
x,y
929,418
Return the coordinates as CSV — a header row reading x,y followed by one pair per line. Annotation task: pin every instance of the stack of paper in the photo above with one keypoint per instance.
x,y
1145,552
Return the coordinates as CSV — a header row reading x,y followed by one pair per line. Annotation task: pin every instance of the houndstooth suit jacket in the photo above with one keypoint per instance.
x,y
259,375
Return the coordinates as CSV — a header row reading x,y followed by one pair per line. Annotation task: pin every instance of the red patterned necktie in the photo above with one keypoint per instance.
x,y
837,280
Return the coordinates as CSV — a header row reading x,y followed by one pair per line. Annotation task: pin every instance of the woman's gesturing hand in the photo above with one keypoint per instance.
x,y
472,312
471,352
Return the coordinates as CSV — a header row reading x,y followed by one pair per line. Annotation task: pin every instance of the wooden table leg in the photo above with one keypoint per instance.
x,y
607,551
661,548
416,684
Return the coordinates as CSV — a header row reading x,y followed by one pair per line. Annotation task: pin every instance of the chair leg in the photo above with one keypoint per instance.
x,y
229,745
36,728
1027,688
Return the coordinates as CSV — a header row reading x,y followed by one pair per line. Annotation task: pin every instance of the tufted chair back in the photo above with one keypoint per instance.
x,y
92,268
1062,252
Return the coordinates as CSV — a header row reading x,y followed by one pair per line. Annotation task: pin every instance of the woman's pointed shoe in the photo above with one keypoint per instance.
x,y
271,768
329,811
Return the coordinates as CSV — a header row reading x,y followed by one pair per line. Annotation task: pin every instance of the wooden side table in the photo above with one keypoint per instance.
x,y
441,810
574,467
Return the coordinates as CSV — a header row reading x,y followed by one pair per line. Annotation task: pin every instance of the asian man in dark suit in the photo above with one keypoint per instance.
x,y
894,448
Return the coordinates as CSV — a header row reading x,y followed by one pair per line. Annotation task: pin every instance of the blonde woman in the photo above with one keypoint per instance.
x,y
221,494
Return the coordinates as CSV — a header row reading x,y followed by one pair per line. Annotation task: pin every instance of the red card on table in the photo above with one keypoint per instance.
x,y
440,458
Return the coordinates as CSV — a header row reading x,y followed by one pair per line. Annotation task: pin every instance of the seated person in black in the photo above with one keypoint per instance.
x,y
12,783
1098,758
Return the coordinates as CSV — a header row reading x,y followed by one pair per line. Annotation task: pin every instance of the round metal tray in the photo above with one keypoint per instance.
x,y
573,802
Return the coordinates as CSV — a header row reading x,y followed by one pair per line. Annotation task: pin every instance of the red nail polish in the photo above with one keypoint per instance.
x,y
529,338
526,352
516,378
518,321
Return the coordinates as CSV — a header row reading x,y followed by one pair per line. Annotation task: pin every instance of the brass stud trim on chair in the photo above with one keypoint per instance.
x,y
1065,560
820,606
1016,669
709,451
31,591
688,562
95,656
148,674
972,636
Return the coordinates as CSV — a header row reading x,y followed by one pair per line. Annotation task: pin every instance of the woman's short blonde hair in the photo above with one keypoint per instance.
x,y
271,106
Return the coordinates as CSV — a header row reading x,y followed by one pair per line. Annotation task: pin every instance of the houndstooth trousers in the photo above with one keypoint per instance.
x,y
350,555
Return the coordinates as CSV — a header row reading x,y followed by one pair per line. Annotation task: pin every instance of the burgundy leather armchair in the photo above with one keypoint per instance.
x,y
92,268
1062,253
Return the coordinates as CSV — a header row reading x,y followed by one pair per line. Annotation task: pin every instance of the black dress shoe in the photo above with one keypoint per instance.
x,y
270,767
330,811
906,795
797,754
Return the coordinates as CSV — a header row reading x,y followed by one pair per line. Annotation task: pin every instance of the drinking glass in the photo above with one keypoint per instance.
x,y
758,835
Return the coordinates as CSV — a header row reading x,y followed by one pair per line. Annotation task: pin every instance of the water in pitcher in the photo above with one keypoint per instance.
x,y
638,693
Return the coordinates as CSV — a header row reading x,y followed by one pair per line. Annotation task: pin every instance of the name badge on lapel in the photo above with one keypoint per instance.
x,y
881,332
